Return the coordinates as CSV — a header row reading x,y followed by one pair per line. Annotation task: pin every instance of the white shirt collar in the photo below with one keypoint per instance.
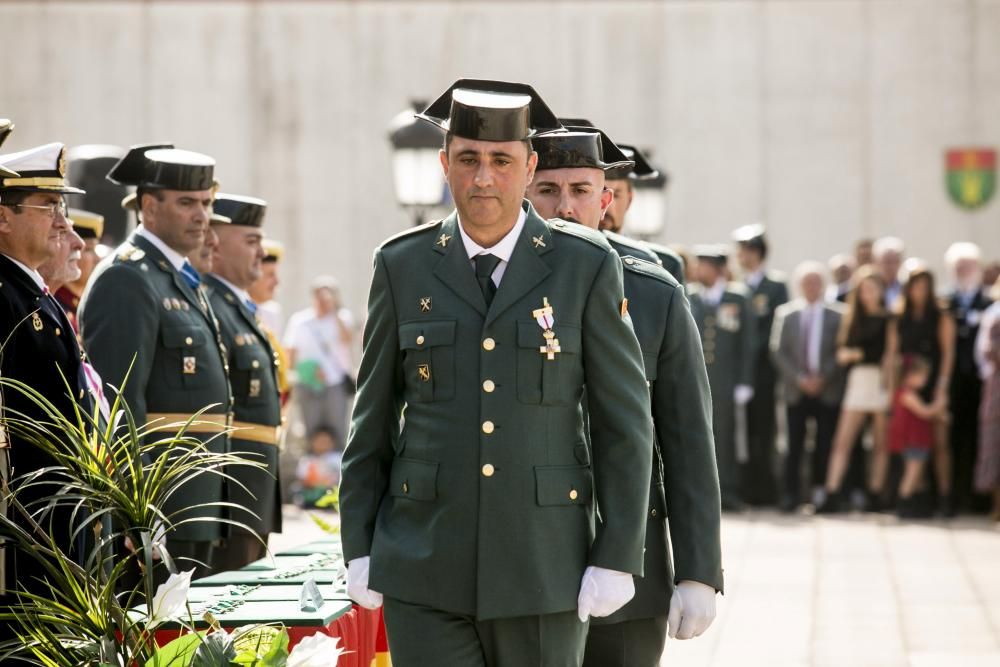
x,y
753,279
35,276
241,293
713,294
503,249
175,258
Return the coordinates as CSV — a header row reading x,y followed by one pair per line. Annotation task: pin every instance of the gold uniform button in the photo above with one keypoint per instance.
x,y
488,427
406,487
189,340
489,344
58,331
488,386
420,340
652,513
488,470
709,345
573,494
709,358
629,261
255,364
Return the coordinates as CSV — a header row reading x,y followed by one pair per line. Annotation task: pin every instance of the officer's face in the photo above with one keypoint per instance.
x,y
202,258
264,287
889,263
33,235
707,272
63,267
748,257
178,218
967,272
488,179
614,217
88,259
239,255
577,195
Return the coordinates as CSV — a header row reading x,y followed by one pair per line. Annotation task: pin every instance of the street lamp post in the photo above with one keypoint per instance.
x,y
416,168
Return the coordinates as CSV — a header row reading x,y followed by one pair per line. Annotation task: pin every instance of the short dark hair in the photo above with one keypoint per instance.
x,y
155,192
14,198
448,137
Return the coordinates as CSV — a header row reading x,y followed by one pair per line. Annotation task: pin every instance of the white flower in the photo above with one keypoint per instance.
x,y
170,600
319,650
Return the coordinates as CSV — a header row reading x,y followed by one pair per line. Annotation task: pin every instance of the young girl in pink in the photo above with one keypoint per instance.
x,y
911,430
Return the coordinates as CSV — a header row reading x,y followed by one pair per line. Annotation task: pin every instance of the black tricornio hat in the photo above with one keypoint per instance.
x,y
565,150
487,110
642,171
164,167
246,211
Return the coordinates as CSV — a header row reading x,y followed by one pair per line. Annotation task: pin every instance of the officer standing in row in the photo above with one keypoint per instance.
x,y
722,311
621,183
39,349
236,264
269,310
569,183
476,519
87,227
768,290
143,315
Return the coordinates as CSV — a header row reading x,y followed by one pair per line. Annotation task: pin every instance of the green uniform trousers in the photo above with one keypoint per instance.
x,y
636,643
420,636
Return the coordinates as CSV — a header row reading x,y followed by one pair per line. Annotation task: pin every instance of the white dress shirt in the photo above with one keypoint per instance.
x,y
713,295
503,249
243,295
753,279
175,258
813,314
35,276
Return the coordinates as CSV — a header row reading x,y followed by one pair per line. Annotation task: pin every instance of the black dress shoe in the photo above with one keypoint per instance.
x,y
830,505
946,506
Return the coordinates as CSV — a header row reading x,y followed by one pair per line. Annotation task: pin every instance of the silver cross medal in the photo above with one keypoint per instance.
x,y
545,318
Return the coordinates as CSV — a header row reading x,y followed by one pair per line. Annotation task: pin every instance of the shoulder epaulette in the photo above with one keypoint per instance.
x,y
579,231
131,254
640,247
647,268
412,231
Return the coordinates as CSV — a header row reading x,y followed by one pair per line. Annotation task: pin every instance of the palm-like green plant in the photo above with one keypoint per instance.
x,y
112,477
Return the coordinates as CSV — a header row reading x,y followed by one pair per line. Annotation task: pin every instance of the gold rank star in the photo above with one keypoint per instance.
x,y
443,240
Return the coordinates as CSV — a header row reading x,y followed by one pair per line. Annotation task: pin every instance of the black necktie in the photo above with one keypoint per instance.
x,y
485,266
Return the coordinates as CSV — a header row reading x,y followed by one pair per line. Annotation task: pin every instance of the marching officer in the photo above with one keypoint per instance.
x,y
171,348
39,349
722,312
476,518
236,264
569,184
768,290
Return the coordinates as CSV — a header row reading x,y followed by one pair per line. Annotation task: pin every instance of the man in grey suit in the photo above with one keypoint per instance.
x,y
804,349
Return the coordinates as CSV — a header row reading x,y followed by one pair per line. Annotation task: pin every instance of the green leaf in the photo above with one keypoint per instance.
x,y
216,650
177,653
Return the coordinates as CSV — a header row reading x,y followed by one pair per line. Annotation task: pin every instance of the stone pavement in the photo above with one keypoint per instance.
x,y
859,590
852,591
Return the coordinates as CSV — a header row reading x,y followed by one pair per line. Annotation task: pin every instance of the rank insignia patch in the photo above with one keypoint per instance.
x,y
424,372
190,367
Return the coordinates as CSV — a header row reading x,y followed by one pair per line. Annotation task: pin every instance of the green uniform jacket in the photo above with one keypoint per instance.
x,y
685,482
483,502
770,293
728,340
669,260
137,305
257,401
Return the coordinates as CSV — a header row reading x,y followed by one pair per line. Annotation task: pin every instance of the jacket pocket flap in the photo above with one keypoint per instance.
x,y
415,479
183,336
563,485
244,359
423,335
529,334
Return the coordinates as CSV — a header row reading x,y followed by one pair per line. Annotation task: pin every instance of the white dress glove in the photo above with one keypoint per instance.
x,y
692,610
743,394
357,584
603,592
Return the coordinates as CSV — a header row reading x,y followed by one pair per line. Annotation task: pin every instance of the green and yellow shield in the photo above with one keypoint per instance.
x,y
971,175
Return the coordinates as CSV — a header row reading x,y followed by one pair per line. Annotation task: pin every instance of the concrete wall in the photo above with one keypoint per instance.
x,y
827,119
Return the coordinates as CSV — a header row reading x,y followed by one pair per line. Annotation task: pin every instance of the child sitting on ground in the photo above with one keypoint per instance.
x,y
911,431
319,470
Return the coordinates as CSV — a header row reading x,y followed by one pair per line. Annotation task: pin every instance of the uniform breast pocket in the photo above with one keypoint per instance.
x,y
247,375
428,349
186,350
544,381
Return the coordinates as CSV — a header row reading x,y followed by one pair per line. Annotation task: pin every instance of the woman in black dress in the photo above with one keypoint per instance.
x,y
923,328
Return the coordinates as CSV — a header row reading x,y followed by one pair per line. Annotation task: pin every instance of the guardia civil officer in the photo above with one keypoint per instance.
x,y
39,348
143,309
722,312
236,264
768,290
569,184
476,519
